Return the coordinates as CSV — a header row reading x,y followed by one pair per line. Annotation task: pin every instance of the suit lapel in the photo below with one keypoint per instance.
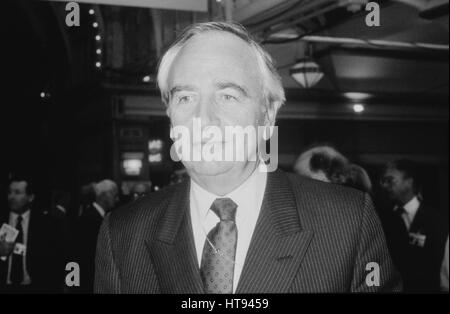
x,y
173,249
418,220
4,218
32,224
278,244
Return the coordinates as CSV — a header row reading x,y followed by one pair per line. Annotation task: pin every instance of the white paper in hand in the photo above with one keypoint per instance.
x,y
8,234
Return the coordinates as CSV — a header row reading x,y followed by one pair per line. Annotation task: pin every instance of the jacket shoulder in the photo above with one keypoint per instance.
x,y
325,190
321,199
143,211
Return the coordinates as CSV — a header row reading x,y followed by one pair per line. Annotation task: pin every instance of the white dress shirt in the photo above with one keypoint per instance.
x,y
248,197
25,223
61,208
411,209
99,209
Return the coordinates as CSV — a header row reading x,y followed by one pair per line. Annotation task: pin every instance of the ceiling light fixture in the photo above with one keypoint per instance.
x,y
358,108
357,95
306,71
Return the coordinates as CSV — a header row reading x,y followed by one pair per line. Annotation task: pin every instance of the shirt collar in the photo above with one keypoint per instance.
x,y
412,206
240,195
25,215
203,198
61,208
99,209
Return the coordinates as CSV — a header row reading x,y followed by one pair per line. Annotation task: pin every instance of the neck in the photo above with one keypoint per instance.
x,y
407,198
225,183
21,211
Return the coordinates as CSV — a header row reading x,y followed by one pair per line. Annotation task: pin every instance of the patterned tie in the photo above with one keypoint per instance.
x,y
219,251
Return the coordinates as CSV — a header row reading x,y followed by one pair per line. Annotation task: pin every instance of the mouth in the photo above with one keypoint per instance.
x,y
203,142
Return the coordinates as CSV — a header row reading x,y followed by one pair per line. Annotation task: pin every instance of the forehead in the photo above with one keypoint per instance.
x,y
140,188
18,185
214,55
112,189
393,172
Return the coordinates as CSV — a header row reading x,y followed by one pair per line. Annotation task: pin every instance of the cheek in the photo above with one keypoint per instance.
x,y
405,187
244,115
180,118
21,199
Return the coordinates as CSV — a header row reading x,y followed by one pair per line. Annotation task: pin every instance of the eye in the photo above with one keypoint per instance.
x,y
228,97
185,99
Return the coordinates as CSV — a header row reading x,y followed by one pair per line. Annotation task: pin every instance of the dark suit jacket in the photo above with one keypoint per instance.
x,y
85,242
418,266
44,255
310,237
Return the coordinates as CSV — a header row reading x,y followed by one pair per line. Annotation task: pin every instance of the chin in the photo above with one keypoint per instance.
x,y
209,168
16,209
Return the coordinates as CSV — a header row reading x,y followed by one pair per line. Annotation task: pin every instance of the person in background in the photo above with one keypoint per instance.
x,y
140,189
60,210
106,198
357,177
178,176
87,197
444,270
34,263
60,205
415,232
323,163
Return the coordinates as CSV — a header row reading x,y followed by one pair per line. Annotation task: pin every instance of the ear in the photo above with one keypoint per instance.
x,y
167,109
410,182
31,198
271,113
171,131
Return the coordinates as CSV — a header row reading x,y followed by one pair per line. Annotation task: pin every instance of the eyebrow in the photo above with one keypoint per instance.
x,y
219,85
179,88
223,85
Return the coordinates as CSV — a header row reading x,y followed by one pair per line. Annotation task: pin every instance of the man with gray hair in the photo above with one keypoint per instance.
x,y
234,227
322,163
106,198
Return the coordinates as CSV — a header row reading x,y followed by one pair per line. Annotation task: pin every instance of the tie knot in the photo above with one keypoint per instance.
x,y
19,219
400,210
225,208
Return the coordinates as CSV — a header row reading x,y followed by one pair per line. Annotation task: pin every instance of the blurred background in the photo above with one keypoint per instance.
x,y
80,103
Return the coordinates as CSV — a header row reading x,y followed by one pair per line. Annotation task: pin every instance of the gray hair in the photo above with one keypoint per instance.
x,y
105,186
318,163
271,80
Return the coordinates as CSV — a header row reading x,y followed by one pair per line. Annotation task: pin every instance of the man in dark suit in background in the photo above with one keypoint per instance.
x,y
106,197
232,227
415,232
60,206
35,262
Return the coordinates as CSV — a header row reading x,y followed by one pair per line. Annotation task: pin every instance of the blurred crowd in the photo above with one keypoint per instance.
x,y
416,234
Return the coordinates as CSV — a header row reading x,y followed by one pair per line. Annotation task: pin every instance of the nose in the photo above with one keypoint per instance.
x,y
206,111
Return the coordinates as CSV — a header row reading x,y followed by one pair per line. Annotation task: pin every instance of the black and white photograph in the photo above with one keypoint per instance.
x,y
208,149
